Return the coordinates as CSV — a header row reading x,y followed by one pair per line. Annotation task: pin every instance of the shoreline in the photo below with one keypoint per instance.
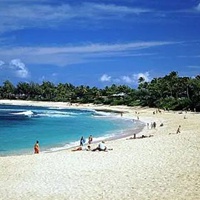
x,y
165,166
124,134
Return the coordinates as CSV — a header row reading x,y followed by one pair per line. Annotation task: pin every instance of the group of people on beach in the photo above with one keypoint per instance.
x,y
82,140
151,125
101,146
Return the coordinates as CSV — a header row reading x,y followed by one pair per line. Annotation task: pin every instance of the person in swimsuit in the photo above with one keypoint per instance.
x,y
82,148
36,147
90,139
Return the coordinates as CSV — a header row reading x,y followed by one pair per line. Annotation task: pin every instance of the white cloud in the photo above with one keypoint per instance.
x,y
194,66
198,7
105,78
66,55
131,80
19,68
18,15
114,9
97,48
1,63
127,79
145,75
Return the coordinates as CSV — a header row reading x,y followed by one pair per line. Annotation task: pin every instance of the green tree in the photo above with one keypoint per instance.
x,y
8,90
48,91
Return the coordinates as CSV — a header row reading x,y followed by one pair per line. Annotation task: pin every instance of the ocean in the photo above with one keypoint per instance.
x,y
54,128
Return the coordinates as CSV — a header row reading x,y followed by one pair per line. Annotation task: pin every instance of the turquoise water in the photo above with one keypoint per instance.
x,y
21,126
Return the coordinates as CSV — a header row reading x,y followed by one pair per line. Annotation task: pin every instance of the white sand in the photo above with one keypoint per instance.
x,y
165,166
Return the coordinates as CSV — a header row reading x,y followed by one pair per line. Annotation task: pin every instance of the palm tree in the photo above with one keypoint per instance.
x,y
8,90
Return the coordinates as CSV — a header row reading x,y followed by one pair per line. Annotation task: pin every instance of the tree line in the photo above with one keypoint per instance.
x,y
169,92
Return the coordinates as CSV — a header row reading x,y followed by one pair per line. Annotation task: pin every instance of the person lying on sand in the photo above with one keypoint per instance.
x,y
82,148
140,137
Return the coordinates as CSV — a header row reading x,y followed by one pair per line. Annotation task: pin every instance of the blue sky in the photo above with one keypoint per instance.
x,y
98,43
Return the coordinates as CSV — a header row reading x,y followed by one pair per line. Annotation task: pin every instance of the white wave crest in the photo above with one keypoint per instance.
x,y
55,113
105,114
52,115
26,113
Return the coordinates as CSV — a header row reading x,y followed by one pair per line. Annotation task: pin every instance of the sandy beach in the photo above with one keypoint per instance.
x,y
165,166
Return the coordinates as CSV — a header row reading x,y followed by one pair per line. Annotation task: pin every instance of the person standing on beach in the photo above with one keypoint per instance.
x,y
90,139
179,129
154,125
36,147
82,141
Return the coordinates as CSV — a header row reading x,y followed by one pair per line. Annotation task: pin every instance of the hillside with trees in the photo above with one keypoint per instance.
x,y
169,92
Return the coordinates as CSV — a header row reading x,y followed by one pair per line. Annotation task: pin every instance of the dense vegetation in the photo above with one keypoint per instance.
x,y
169,92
